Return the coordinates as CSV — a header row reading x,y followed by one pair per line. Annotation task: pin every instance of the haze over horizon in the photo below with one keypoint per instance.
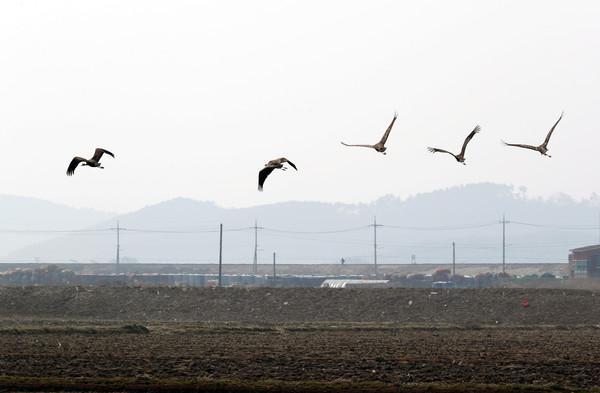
x,y
187,231
559,197
193,98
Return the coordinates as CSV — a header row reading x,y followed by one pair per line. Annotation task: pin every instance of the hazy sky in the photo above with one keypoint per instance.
x,y
195,97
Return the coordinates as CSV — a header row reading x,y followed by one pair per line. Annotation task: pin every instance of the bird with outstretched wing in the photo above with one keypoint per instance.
x,y
460,157
379,146
269,167
93,162
543,148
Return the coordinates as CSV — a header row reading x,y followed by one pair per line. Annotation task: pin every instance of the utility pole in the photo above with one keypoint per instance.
x,y
504,242
118,247
255,264
454,261
274,273
220,253
375,225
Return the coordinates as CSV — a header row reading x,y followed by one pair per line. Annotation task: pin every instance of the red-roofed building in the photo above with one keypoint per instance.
x,y
584,262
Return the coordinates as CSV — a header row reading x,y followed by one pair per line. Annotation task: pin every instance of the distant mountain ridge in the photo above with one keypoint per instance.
x,y
421,228
24,220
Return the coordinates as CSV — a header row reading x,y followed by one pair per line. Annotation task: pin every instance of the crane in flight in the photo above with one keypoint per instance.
x,y
460,157
379,146
269,167
543,148
93,162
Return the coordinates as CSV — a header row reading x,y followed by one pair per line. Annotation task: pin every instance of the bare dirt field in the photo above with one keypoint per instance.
x,y
298,339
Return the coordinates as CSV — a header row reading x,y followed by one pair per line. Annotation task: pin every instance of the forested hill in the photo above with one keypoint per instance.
x,y
424,226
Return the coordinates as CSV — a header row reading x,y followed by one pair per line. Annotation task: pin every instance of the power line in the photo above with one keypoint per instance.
x,y
51,231
207,229
326,240
177,231
445,228
559,226
318,232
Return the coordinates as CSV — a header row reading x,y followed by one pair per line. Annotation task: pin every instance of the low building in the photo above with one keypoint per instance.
x,y
584,262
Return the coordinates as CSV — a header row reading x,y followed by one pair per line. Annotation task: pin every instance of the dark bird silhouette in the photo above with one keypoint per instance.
x,y
93,162
543,148
269,167
460,157
379,146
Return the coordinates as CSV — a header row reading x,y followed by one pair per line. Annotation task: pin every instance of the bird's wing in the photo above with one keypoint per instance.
x,y
519,145
98,154
387,132
291,163
371,146
436,150
552,129
262,176
74,162
468,139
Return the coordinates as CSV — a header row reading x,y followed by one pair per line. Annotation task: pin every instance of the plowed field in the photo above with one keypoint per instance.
x,y
169,339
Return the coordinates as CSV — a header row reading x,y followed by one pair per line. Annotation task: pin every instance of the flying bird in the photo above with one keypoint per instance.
x,y
269,167
543,148
460,157
93,162
380,145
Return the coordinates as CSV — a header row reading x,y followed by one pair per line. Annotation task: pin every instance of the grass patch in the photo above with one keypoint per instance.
x,y
126,329
229,328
